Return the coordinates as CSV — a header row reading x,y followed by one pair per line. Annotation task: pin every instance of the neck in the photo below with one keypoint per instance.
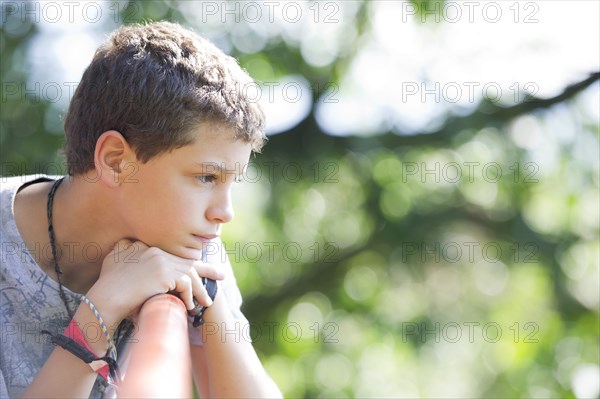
x,y
86,229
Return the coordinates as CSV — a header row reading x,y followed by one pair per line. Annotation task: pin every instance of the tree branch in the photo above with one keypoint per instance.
x,y
308,138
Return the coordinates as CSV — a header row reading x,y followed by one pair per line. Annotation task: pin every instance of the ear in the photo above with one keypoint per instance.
x,y
111,157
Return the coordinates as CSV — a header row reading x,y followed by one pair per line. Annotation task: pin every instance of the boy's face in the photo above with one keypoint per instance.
x,y
177,201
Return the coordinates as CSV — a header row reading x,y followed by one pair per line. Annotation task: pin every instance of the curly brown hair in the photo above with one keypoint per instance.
x,y
154,84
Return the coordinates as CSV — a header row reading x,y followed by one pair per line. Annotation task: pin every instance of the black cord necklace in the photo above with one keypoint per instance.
x,y
57,269
124,329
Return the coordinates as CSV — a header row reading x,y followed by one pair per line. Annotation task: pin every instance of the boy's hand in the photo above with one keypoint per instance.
x,y
133,272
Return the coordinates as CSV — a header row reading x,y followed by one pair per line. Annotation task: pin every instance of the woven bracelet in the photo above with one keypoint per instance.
x,y
111,344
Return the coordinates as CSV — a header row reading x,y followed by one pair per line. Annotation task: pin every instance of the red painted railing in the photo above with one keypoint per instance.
x,y
157,364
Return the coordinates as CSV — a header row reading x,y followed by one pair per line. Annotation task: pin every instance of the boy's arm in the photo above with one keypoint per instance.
x,y
229,365
153,271
200,370
64,375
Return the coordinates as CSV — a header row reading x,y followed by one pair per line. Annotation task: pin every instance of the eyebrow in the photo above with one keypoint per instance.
x,y
215,167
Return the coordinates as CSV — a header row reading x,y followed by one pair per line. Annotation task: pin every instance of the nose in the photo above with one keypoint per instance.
x,y
220,209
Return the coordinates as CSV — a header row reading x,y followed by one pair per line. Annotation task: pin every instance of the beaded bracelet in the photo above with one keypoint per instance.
x,y
111,344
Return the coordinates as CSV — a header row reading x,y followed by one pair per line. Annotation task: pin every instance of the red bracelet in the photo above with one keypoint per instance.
x,y
74,332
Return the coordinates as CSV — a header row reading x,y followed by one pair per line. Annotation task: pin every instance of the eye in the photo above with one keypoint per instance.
x,y
206,179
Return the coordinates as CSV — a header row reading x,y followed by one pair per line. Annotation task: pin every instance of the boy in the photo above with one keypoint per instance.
x,y
157,133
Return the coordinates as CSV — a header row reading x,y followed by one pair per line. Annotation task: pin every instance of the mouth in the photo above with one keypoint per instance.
x,y
205,238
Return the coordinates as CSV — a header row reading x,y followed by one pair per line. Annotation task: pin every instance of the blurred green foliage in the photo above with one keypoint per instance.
x,y
367,270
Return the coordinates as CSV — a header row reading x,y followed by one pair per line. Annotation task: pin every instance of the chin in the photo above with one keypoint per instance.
x,y
182,251
189,253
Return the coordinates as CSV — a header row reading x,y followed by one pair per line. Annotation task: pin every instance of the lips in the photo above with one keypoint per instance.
x,y
205,237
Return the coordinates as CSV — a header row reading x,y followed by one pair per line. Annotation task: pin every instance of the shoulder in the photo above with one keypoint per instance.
x,y
10,185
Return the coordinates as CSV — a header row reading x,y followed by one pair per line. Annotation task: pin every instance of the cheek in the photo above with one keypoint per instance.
x,y
186,206
146,197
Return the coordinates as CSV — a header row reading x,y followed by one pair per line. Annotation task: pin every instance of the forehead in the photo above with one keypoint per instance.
x,y
214,143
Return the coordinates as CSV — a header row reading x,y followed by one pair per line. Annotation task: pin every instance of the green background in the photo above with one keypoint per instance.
x,y
364,277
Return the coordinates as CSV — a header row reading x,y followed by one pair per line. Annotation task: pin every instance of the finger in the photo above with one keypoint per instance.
x,y
194,270
200,292
183,285
209,271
